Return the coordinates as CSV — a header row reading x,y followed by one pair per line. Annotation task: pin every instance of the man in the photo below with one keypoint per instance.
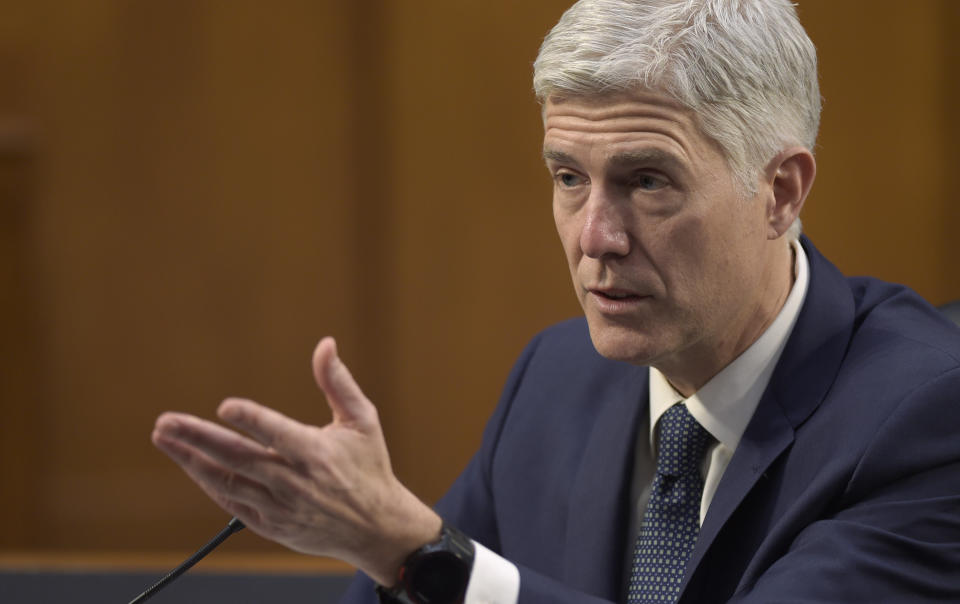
x,y
822,412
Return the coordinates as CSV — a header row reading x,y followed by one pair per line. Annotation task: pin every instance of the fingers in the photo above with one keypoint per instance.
x,y
205,434
230,489
346,400
270,428
312,489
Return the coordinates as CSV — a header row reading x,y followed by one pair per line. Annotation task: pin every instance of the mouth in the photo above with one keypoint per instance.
x,y
614,301
614,294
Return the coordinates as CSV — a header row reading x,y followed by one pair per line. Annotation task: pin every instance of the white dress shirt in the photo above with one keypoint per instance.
x,y
723,406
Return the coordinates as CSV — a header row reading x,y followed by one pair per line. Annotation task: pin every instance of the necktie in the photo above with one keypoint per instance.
x,y
671,522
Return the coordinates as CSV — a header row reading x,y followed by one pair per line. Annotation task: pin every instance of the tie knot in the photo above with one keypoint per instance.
x,y
683,442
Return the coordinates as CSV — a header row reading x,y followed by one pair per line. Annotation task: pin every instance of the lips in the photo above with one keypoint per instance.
x,y
615,301
614,294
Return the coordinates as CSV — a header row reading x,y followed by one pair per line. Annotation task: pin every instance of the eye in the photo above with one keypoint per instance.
x,y
568,179
649,182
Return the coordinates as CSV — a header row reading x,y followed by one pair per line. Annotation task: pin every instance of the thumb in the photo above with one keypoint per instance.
x,y
346,400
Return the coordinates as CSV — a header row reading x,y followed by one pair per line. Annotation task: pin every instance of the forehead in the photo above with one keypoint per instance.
x,y
624,123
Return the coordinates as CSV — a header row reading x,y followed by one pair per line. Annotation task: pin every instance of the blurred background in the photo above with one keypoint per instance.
x,y
192,192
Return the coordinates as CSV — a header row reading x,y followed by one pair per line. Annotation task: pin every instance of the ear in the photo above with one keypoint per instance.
x,y
790,175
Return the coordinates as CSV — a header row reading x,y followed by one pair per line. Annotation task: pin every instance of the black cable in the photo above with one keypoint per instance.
x,y
232,527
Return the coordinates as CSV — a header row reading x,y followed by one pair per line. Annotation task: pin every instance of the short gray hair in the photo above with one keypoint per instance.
x,y
746,68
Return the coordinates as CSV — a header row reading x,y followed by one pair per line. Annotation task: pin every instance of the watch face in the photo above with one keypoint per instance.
x,y
439,578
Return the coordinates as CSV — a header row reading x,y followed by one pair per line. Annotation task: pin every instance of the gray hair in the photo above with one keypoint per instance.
x,y
746,68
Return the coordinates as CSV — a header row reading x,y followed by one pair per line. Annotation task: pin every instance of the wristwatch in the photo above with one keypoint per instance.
x,y
437,573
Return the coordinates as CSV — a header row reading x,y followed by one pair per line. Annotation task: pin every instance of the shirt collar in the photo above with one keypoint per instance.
x,y
725,404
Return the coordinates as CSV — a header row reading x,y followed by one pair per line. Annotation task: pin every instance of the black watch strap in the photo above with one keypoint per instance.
x,y
437,573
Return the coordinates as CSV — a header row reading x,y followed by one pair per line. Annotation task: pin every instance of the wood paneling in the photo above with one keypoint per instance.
x,y
195,204
208,188
478,266
21,389
884,189
116,562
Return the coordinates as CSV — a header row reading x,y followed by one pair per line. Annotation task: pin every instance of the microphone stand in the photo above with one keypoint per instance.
x,y
232,527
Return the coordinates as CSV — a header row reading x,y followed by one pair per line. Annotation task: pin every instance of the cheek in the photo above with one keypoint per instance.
x,y
569,232
724,250
683,251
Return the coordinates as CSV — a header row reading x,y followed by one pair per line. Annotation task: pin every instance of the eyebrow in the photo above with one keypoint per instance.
x,y
558,156
626,158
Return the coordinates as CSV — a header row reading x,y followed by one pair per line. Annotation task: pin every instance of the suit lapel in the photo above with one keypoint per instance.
x,y
804,373
599,509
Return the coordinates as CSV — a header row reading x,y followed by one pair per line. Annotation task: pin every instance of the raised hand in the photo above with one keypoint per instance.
x,y
326,491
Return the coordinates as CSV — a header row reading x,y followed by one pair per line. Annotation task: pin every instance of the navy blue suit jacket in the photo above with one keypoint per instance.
x,y
844,488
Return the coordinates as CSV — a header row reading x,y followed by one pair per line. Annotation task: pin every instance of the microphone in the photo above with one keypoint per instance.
x,y
232,527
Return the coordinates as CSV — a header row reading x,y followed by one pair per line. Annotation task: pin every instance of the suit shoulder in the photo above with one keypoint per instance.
x,y
893,321
573,330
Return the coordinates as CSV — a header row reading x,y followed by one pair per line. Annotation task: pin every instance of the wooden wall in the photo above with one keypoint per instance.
x,y
193,192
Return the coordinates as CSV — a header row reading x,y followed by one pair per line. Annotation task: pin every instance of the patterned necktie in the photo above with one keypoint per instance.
x,y
671,522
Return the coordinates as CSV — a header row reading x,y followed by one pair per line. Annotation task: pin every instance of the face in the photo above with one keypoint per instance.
x,y
670,262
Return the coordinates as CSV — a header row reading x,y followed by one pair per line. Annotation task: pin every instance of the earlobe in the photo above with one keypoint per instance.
x,y
790,174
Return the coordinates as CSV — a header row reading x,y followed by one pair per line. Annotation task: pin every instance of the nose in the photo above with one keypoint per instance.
x,y
604,227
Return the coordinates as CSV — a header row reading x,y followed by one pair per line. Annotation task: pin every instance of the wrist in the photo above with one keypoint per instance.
x,y
394,546
436,573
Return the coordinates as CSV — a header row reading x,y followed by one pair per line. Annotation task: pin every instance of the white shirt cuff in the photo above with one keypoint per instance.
x,y
493,580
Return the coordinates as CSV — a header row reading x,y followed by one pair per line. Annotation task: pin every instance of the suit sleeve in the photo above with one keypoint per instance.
x,y
469,505
895,533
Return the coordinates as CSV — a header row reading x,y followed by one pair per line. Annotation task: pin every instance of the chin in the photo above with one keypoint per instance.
x,y
622,343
